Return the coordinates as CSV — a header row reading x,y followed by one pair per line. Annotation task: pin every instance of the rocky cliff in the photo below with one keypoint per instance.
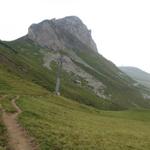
x,y
65,33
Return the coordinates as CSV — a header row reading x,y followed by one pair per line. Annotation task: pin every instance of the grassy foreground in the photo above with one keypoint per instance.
x,y
3,132
58,123
3,135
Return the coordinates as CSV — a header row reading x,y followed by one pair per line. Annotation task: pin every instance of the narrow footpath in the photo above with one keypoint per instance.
x,y
18,139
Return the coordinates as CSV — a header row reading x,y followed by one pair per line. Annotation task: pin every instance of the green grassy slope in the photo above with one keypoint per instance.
x,y
13,85
58,123
27,63
119,85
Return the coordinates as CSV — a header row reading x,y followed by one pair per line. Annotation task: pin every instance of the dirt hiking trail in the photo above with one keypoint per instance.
x,y
18,139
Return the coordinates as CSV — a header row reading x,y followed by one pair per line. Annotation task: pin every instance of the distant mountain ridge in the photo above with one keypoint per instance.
x,y
137,74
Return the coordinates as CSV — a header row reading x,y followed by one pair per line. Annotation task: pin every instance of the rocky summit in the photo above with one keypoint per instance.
x,y
65,33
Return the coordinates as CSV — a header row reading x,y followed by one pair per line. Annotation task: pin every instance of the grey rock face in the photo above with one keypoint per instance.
x,y
70,67
68,32
45,34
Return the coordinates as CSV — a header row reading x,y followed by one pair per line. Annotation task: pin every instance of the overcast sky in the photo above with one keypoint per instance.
x,y
120,28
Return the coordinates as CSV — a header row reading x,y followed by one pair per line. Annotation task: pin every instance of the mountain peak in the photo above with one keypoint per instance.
x,y
72,20
65,33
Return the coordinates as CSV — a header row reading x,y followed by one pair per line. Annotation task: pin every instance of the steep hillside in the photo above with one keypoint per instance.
x,y
27,68
87,76
137,74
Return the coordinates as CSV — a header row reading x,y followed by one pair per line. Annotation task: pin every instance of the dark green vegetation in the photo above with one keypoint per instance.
x,y
59,123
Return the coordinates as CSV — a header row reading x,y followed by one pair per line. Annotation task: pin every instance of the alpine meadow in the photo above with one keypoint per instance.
x,y
97,105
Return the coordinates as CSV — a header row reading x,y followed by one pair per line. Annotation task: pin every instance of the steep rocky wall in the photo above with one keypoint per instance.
x,y
68,32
